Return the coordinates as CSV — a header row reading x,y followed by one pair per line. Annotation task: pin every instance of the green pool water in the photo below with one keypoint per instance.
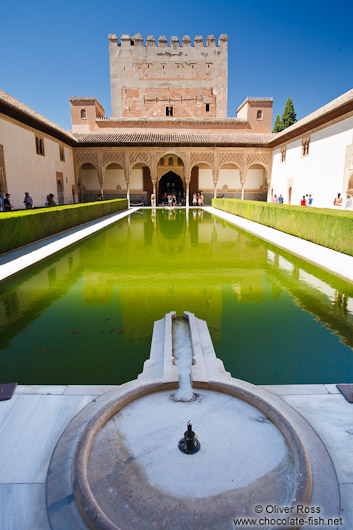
x,y
86,315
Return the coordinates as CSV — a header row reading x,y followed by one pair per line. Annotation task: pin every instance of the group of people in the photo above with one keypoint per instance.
x,y
6,206
197,199
173,198
307,200
278,200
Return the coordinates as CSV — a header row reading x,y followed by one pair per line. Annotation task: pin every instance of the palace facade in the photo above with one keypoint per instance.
x,y
169,132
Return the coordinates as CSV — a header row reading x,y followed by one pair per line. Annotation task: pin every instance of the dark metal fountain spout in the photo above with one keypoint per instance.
x,y
189,444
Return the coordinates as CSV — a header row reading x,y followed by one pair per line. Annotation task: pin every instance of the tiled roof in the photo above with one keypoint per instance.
x,y
332,110
175,138
14,108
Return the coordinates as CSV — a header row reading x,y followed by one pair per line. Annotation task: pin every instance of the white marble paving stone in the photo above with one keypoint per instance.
x,y
88,390
30,426
347,506
40,389
332,418
332,388
22,507
282,390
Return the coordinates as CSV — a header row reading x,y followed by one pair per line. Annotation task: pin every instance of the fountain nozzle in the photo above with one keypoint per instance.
x,y
189,444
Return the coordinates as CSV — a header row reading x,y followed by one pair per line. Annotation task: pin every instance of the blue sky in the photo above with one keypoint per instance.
x,y
53,50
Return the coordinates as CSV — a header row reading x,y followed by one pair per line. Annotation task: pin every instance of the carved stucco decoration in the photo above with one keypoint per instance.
x,y
259,158
167,152
203,156
86,157
140,156
230,158
110,157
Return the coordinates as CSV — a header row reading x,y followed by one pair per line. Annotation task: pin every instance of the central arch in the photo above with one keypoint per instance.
x,y
169,183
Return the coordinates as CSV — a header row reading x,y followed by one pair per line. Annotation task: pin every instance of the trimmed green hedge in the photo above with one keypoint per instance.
x,y
326,227
25,226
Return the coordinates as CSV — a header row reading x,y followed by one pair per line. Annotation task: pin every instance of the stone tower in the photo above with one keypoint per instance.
x,y
176,80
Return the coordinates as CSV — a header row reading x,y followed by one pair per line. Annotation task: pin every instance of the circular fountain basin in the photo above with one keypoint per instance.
x,y
118,466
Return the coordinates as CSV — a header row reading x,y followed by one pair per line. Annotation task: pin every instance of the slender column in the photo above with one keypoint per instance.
x,y
187,183
242,190
128,193
215,190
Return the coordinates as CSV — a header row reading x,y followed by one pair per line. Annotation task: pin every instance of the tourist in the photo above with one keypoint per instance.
x,y
303,201
198,199
169,198
201,199
194,199
280,199
275,199
51,201
100,197
7,203
28,202
310,200
349,202
338,201
1,203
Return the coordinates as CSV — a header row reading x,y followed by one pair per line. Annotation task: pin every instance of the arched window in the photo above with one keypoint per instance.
x,y
170,161
259,115
161,162
83,114
180,162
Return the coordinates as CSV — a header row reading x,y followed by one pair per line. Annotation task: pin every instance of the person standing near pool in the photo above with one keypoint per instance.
x,y
7,203
338,200
280,199
28,202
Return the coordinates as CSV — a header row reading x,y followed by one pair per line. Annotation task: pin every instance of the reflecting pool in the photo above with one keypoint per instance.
x,y
86,315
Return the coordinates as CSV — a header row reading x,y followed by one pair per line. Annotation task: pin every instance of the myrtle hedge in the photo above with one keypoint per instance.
x,y
327,227
22,227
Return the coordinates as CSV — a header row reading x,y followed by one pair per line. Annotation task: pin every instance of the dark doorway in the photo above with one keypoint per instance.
x,y
170,183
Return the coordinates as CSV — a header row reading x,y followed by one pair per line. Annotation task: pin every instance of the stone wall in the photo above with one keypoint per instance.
x,y
146,79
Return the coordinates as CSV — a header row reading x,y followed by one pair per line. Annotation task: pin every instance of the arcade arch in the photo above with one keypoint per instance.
x,y
141,183
88,182
255,187
170,177
114,184
229,180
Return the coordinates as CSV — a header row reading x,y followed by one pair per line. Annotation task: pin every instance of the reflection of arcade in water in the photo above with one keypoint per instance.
x,y
168,259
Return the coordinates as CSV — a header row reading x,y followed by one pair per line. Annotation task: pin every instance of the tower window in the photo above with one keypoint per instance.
x,y
305,146
207,107
161,162
61,153
170,161
40,146
283,154
259,115
169,111
83,114
180,162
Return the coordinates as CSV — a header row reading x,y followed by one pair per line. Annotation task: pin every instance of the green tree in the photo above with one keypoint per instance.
x,y
278,125
289,116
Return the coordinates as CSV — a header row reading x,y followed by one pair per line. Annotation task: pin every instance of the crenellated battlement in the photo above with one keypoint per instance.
x,y
136,41
168,78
